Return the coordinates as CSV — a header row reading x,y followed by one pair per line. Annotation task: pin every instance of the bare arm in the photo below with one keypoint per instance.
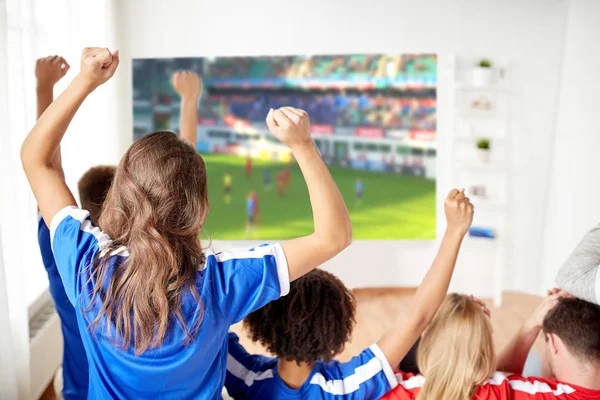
x,y
579,274
513,357
189,86
398,340
48,71
332,227
39,148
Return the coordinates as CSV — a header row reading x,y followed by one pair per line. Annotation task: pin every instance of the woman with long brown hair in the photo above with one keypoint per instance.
x,y
152,306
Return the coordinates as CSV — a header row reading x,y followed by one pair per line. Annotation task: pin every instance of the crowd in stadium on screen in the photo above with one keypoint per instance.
x,y
342,110
331,67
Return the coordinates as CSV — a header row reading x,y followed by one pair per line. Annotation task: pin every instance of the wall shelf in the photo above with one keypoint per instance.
x,y
466,126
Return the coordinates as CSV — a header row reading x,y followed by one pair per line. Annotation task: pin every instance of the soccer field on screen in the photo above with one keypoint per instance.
x,y
393,206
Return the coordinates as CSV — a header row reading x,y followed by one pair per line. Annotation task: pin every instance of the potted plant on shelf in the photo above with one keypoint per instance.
x,y
482,73
483,149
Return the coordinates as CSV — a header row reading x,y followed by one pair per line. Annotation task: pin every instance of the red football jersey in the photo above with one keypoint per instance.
x,y
501,387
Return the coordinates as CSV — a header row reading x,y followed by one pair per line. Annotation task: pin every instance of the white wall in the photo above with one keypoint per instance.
x,y
574,196
529,33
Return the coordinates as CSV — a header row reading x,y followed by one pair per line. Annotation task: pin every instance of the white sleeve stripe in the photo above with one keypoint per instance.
x,y
416,381
258,252
496,379
540,387
275,250
85,225
529,387
351,383
58,218
235,368
598,285
283,272
387,368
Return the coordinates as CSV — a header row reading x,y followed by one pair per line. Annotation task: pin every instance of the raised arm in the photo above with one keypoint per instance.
x,y
398,340
189,86
48,71
513,357
579,275
332,227
40,146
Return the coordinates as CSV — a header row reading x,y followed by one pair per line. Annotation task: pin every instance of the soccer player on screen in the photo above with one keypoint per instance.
x,y
227,186
281,184
360,188
251,213
287,176
267,179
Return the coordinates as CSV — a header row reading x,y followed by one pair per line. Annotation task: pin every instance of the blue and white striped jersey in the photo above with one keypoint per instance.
x,y
366,376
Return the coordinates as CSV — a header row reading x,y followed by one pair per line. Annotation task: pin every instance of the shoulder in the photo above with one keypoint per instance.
x,y
73,221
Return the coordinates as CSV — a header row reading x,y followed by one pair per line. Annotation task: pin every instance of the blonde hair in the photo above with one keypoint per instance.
x,y
456,353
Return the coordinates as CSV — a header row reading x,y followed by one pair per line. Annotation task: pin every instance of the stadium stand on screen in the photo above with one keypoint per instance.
x,y
373,119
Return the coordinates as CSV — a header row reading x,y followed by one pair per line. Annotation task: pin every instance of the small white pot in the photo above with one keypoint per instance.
x,y
482,76
483,155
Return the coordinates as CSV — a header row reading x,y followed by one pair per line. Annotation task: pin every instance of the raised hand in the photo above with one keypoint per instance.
x,y
187,84
549,302
49,70
290,126
459,212
484,308
98,65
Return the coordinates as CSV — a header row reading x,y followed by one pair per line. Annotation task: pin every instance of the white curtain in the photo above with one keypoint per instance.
x,y
30,29
8,373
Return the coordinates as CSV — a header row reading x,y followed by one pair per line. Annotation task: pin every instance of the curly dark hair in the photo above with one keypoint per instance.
x,y
313,322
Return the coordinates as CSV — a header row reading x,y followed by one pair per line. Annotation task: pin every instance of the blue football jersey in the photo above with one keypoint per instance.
x,y
231,285
367,376
74,363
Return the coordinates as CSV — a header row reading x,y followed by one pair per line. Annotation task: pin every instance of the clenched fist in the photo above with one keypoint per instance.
x,y
290,126
459,212
98,65
49,70
187,84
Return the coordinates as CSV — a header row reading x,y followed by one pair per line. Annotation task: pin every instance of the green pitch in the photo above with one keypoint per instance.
x,y
393,206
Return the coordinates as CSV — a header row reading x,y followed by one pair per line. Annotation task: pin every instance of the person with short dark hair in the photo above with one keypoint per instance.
x,y
572,333
309,327
93,187
48,72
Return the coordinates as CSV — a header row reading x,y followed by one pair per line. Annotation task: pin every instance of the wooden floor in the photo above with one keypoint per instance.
x,y
378,308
